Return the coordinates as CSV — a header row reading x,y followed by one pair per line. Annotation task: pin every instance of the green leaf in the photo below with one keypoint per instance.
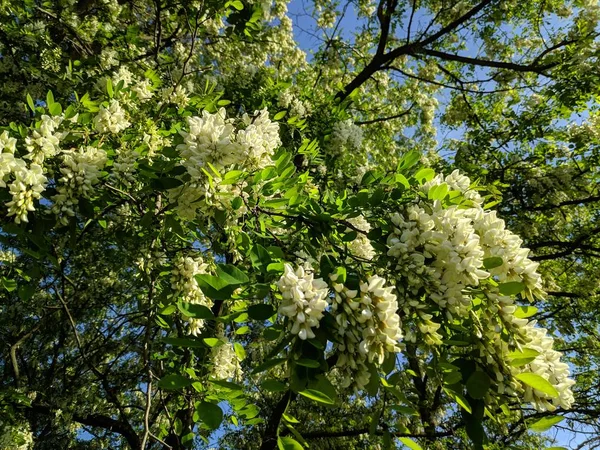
x,y
511,288
545,423
232,176
460,399
520,358
49,99
280,115
478,384
308,363
240,351
317,396
492,262
109,88
237,4
9,285
26,291
174,381
409,160
55,109
195,310
210,414
260,257
237,203
261,311
423,175
213,342
273,385
537,382
290,419
410,443
30,103
287,443
523,312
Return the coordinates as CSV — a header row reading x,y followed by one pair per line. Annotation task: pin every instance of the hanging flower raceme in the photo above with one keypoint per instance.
x,y
456,261
80,171
361,246
184,283
304,300
111,119
547,365
226,364
368,326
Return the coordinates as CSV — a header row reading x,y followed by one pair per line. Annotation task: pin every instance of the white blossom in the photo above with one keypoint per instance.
x,y
27,187
80,171
361,245
368,325
259,139
44,140
111,119
225,363
184,283
345,136
304,300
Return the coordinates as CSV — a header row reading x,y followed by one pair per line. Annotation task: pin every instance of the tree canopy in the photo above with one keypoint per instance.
x,y
212,236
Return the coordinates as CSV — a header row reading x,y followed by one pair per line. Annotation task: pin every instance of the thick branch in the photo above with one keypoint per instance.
x,y
359,431
100,421
486,62
269,440
380,60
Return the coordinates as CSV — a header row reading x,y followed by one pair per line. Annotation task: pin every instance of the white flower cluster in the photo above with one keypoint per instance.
x,y
8,146
28,185
259,139
226,364
547,365
112,119
304,300
296,107
345,136
80,171
369,328
438,252
212,139
44,140
361,246
184,283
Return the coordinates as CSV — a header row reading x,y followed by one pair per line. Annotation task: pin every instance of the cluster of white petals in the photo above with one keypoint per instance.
x,y
44,140
368,326
225,363
81,170
112,119
28,185
345,136
547,365
259,139
7,156
304,300
438,251
212,138
361,246
186,286
209,139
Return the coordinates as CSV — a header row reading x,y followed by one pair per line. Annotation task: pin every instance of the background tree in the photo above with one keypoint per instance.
x,y
154,250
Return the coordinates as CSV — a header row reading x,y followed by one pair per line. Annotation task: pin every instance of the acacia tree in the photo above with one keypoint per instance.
x,y
208,241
